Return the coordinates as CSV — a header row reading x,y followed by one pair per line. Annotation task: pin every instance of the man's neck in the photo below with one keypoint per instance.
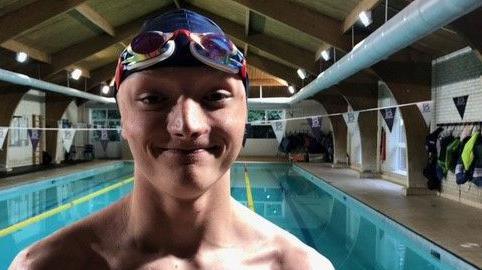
x,y
162,223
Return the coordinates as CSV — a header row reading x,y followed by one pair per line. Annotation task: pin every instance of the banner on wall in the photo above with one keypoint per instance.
x,y
315,125
351,118
104,138
3,135
34,135
67,136
426,111
279,129
460,104
388,115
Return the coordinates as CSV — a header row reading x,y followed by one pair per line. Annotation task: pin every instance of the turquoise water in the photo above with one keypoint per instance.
x,y
351,235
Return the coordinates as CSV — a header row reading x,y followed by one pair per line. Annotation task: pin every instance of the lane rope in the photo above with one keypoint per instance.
x,y
22,224
249,194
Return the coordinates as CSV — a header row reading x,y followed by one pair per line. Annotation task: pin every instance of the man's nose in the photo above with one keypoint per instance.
x,y
187,119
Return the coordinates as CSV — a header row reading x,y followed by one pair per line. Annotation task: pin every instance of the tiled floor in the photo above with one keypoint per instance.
x,y
447,223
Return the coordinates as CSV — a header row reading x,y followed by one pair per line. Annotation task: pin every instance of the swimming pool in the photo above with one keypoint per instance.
x,y
350,234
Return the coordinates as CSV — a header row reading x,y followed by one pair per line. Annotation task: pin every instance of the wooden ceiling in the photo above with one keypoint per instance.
x,y
279,36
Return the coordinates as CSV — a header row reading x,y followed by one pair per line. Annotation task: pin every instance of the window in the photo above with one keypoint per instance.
x,y
19,137
401,149
105,118
261,129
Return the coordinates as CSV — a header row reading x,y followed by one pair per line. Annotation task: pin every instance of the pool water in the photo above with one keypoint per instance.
x,y
351,235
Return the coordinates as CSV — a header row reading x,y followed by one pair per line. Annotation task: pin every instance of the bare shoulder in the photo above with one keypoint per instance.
x,y
75,247
297,255
291,252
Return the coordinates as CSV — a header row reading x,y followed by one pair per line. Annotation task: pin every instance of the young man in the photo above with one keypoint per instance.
x,y
181,91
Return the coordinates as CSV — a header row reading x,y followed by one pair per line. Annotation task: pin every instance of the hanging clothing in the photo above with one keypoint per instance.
x,y
451,155
477,174
468,152
442,168
430,170
461,175
383,144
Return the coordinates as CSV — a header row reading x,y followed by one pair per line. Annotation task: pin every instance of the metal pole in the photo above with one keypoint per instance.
x,y
386,10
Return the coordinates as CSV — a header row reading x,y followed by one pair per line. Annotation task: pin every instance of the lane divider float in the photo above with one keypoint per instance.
x,y
249,194
22,224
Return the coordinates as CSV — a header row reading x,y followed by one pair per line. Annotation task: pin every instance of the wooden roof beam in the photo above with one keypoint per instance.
x,y
315,24
280,49
82,50
352,18
274,68
16,22
95,18
34,53
101,74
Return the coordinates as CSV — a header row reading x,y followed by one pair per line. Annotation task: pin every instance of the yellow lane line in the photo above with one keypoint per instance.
x,y
249,194
61,208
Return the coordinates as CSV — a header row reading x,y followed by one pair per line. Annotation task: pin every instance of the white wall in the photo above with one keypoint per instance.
x,y
72,114
453,75
32,103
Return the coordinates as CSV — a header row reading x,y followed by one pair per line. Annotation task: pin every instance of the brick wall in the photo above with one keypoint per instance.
x,y
454,75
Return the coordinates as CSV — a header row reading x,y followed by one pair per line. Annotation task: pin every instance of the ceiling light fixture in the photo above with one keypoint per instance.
x,y
291,89
21,57
301,73
105,89
365,17
76,73
326,55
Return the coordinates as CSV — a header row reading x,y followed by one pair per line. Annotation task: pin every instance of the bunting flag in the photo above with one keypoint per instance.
x,y
351,118
67,136
315,125
34,135
104,138
388,115
426,111
279,129
460,104
3,135
119,131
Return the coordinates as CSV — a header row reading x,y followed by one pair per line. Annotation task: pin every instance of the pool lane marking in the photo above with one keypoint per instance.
x,y
22,224
249,194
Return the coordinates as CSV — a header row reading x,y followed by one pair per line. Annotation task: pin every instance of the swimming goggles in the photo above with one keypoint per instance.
x,y
150,48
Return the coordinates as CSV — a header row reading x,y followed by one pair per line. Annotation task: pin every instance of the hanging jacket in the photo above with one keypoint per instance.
x,y
430,170
441,164
459,168
468,152
451,155
477,170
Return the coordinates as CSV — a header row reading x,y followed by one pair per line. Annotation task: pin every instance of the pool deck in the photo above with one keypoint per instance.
x,y
452,225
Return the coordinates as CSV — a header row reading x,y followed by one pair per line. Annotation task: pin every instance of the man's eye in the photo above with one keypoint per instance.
x,y
218,95
151,99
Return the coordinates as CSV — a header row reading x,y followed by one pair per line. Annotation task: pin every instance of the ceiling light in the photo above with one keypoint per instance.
x,y
326,55
21,57
105,89
301,73
365,17
291,89
76,73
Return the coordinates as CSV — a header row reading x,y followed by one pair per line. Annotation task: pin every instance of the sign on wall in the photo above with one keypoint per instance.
x,y
460,104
